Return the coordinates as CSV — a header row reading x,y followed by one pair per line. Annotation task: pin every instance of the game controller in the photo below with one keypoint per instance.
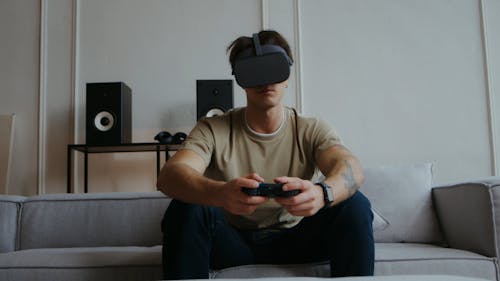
x,y
270,190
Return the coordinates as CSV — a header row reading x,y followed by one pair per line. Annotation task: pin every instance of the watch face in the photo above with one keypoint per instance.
x,y
329,194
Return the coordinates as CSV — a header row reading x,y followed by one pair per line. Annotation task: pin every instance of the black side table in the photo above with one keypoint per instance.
x,y
129,147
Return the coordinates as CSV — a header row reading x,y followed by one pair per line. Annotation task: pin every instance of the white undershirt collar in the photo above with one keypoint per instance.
x,y
267,135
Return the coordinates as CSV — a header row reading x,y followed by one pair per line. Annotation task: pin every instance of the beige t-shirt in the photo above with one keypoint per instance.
x,y
231,150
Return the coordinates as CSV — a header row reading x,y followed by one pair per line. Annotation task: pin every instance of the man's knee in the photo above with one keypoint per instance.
x,y
356,209
358,202
179,214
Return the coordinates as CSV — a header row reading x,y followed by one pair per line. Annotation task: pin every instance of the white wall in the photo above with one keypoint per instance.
x,y
19,37
491,45
159,50
403,81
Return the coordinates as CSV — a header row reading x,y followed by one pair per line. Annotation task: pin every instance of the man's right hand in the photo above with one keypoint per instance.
x,y
236,201
182,178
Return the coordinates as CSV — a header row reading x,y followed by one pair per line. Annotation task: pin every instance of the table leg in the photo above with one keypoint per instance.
x,y
85,172
157,161
69,169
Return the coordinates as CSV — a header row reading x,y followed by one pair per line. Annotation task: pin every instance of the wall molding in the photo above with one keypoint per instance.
x,y
266,14
75,95
42,98
298,49
72,132
264,9
490,99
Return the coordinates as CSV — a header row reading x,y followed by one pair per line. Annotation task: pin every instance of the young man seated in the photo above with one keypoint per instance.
x,y
220,218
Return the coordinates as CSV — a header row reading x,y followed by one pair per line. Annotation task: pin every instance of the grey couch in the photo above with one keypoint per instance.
x,y
419,229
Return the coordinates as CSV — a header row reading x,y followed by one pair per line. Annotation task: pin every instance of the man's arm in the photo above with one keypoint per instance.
x,y
182,178
342,172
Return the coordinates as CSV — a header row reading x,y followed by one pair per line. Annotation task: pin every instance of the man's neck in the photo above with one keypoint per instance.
x,y
265,121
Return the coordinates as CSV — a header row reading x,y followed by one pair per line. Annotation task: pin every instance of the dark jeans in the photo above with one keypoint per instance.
x,y
198,238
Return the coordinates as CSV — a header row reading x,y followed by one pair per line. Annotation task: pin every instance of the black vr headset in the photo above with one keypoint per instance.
x,y
269,64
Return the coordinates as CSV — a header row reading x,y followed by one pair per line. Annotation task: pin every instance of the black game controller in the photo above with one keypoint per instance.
x,y
270,190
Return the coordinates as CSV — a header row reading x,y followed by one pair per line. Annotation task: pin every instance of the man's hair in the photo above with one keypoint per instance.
x,y
266,37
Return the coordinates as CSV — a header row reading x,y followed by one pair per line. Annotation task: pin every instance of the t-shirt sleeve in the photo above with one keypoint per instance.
x,y
324,136
201,141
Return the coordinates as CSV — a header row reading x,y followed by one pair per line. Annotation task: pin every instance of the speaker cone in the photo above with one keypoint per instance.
x,y
104,121
214,112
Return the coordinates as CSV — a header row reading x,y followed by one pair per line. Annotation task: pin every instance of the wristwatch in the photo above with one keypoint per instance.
x,y
327,193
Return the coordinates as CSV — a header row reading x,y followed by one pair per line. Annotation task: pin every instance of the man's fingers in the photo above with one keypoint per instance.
x,y
253,200
307,208
247,182
293,186
286,179
255,176
298,199
290,183
248,204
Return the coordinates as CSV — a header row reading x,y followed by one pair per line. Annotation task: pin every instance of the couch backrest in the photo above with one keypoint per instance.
x,y
10,207
401,197
92,220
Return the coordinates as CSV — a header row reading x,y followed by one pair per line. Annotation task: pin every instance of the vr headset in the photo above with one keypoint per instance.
x,y
269,64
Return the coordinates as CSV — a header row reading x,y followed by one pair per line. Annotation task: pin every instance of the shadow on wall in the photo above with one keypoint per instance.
x,y
180,117
122,172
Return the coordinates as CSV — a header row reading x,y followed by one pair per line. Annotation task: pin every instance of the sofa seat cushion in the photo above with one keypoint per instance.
x,y
390,259
374,278
99,263
273,270
408,258
82,257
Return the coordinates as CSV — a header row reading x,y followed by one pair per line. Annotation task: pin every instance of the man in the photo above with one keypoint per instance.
x,y
213,223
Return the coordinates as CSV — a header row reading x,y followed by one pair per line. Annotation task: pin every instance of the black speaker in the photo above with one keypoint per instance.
x,y
213,97
108,113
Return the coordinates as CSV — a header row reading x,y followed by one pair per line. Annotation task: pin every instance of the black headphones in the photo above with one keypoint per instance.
x,y
165,137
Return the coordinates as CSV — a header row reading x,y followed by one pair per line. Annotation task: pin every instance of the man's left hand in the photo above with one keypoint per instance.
x,y
307,203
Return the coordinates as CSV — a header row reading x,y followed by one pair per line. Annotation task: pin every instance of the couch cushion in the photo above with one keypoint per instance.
x,y
9,214
373,278
84,257
412,258
390,259
92,220
101,263
469,213
402,196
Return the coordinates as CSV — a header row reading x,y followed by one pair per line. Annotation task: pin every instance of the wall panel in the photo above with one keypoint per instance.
x,y
402,81
160,49
19,86
491,29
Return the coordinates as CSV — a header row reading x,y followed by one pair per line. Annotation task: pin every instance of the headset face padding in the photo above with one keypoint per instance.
x,y
261,70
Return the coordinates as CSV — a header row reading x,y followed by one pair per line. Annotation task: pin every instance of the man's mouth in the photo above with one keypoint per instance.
x,y
266,89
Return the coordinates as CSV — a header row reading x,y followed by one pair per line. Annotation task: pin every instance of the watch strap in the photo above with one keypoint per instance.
x,y
327,193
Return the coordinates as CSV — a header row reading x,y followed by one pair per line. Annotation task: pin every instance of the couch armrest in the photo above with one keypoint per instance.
x,y
469,215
